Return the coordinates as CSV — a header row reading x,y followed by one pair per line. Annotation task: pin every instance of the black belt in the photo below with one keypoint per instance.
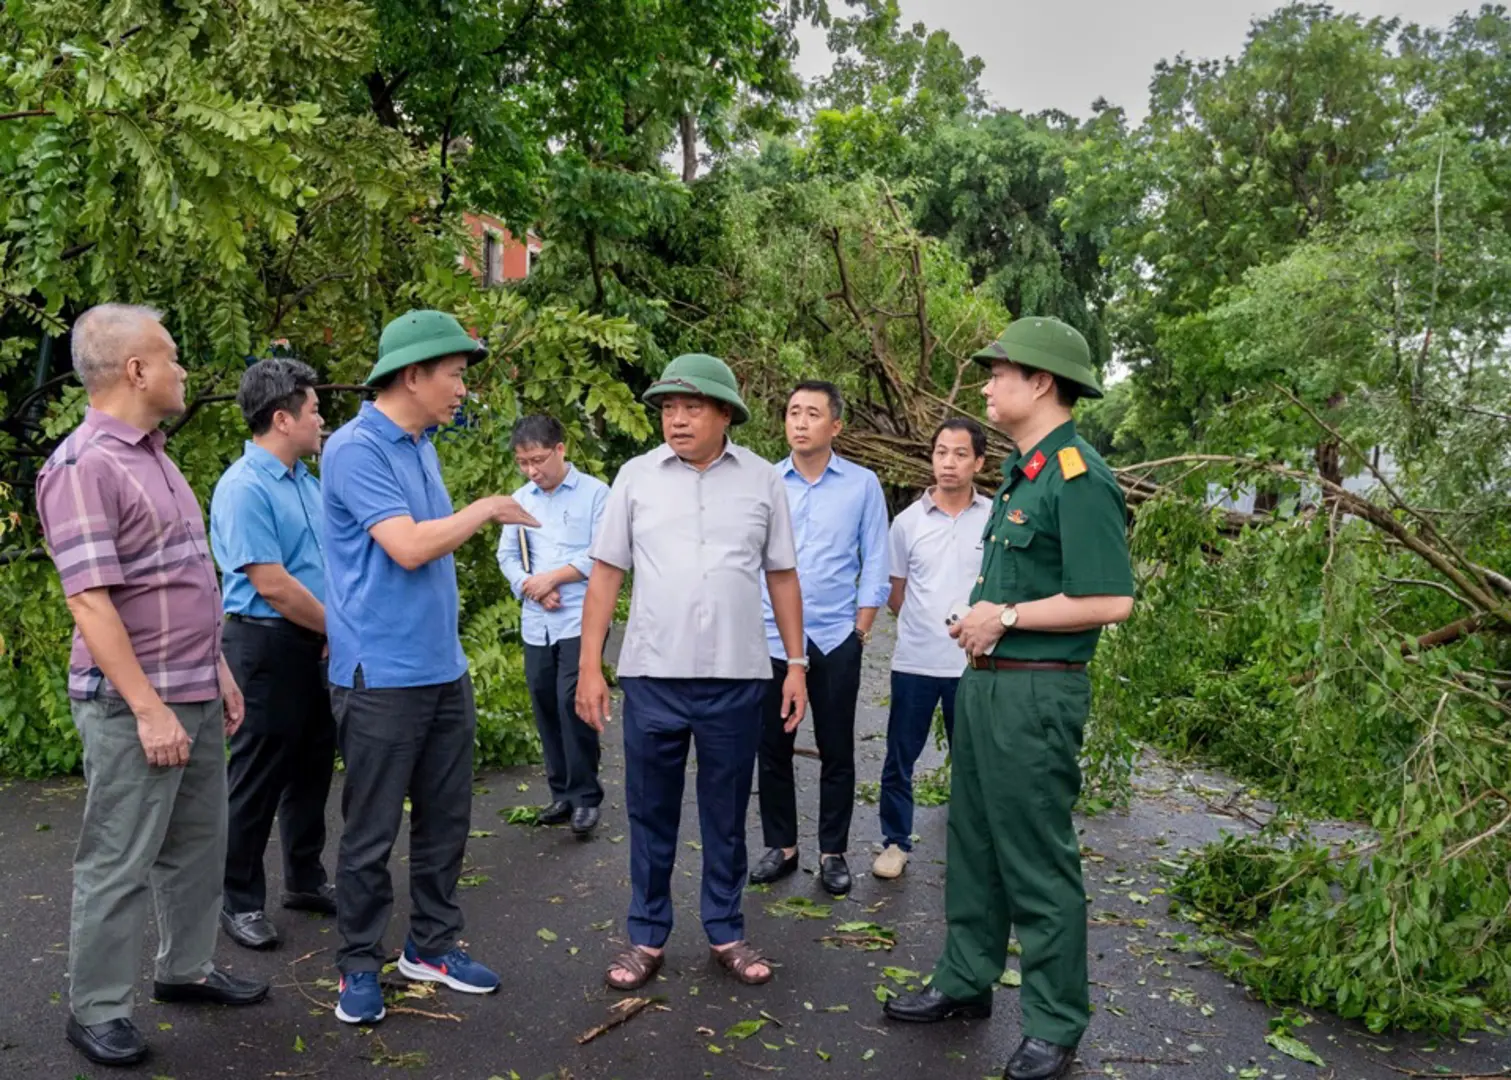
x,y
993,663
277,624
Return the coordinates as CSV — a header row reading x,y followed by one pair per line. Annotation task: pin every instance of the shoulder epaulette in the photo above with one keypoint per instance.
x,y
1072,464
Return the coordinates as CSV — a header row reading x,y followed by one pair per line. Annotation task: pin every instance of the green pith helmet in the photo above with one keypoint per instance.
x,y
417,336
704,375
1046,344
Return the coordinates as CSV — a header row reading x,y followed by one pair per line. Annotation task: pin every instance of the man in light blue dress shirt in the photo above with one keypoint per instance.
x,y
839,518
548,570
265,525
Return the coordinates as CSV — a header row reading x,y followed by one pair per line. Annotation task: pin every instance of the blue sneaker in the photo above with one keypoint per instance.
x,y
455,969
361,999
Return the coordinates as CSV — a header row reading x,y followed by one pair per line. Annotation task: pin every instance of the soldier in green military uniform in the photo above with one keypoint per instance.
x,y
1054,571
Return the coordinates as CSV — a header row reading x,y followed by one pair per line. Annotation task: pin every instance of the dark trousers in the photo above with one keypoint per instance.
x,y
909,722
569,745
661,717
281,760
833,686
414,741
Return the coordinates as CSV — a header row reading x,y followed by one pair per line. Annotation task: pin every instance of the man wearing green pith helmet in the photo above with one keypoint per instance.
x,y
701,521
400,692
1054,571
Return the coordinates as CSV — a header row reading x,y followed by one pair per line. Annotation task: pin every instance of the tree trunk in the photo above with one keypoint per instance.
x,y
689,125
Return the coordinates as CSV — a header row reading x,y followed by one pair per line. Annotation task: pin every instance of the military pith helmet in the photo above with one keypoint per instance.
x,y
1045,344
703,375
417,336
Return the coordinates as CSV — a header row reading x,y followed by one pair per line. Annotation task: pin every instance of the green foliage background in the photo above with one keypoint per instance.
x,y
1293,270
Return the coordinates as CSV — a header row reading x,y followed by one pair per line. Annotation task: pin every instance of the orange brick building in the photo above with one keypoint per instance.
x,y
496,256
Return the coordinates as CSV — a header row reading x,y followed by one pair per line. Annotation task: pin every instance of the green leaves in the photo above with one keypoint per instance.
x,y
799,907
1294,1047
744,1029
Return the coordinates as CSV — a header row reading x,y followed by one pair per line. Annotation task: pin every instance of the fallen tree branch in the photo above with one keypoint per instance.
x,y
1429,585
626,1011
1444,635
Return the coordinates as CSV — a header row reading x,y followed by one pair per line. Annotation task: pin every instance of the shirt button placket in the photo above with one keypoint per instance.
x,y
700,606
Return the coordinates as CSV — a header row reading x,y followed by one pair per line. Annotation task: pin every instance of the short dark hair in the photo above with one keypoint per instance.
x,y
828,389
967,425
539,430
270,385
1067,393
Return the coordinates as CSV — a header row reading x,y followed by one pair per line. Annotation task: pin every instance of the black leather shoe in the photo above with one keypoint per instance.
x,y
834,873
558,813
115,1042
249,929
221,988
774,866
1040,1060
321,902
929,1006
584,821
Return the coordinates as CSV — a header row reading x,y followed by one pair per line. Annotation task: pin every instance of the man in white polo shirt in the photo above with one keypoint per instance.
x,y
935,549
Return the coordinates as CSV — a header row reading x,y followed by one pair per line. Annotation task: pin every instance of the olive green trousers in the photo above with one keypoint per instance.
x,y
1013,860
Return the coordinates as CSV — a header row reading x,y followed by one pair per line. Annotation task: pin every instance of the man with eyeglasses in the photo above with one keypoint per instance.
x,y
548,570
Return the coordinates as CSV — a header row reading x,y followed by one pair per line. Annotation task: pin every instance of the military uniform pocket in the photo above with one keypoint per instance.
x,y
1063,701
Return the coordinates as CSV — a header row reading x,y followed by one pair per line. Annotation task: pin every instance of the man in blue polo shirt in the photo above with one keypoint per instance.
x,y
265,530
399,686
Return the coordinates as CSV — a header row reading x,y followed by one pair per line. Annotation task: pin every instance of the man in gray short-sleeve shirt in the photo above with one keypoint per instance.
x,y
699,520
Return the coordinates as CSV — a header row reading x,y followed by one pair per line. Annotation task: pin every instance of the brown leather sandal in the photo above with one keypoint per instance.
x,y
739,958
642,966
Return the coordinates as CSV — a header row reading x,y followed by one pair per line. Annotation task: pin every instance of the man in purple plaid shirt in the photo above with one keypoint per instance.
x,y
150,691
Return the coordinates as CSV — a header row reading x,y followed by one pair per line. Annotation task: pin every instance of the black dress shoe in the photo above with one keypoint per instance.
x,y
584,821
774,866
1039,1060
834,873
558,813
929,1005
249,929
221,988
115,1042
322,901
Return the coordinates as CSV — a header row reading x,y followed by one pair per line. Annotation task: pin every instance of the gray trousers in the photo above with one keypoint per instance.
x,y
415,741
144,827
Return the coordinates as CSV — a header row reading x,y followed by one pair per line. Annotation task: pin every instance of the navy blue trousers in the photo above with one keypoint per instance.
x,y
909,723
662,717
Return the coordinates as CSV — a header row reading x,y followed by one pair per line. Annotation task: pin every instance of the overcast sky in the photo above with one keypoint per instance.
x,y
1068,53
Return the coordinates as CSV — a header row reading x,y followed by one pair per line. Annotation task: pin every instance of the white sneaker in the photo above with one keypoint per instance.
x,y
890,863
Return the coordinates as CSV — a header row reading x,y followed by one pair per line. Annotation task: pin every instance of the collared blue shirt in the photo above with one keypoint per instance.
x,y
262,511
568,517
400,626
840,524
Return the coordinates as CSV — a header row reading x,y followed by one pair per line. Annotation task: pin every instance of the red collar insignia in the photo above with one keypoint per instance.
x,y
1034,465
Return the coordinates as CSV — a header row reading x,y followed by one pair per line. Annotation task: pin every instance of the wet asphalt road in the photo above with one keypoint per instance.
x,y
547,911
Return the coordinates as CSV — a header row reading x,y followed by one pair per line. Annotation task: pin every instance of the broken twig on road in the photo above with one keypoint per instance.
x,y
626,1011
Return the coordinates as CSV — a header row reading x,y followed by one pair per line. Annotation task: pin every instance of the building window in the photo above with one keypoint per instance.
x,y
493,259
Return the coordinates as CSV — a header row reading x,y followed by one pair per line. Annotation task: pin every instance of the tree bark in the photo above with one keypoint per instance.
x,y
689,125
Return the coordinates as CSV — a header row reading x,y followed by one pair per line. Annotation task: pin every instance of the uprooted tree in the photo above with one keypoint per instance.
x,y
1349,648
